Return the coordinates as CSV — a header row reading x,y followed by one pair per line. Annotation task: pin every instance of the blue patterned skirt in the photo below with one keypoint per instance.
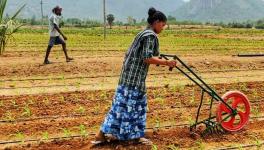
x,y
127,118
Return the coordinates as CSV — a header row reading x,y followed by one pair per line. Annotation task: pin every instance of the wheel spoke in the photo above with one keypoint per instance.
x,y
224,108
237,101
229,123
243,116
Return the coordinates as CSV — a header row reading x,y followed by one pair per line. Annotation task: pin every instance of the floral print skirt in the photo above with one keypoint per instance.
x,y
127,118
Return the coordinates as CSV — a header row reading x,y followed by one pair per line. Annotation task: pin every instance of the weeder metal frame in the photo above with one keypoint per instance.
x,y
205,88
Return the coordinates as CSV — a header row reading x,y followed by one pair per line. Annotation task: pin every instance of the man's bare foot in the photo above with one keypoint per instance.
x,y
69,59
46,62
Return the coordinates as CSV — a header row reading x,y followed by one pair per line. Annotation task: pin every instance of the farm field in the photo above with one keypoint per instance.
x,y
62,105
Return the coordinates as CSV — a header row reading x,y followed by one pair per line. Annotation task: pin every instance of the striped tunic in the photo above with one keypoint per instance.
x,y
134,70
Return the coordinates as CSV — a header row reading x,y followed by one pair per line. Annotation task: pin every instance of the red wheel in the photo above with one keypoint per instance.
x,y
240,103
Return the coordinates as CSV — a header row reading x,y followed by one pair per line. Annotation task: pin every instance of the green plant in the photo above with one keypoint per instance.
x,y
46,101
8,116
78,85
13,102
255,93
62,78
160,101
8,26
20,136
62,98
172,147
240,147
1,103
255,111
258,144
83,130
243,86
178,88
191,121
192,100
200,144
154,147
97,109
76,98
157,121
50,80
26,111
66,132
103,95
45,135
156,93
81,110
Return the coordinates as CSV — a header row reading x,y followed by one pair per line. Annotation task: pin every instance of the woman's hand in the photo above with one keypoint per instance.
x,y
171,63
156,60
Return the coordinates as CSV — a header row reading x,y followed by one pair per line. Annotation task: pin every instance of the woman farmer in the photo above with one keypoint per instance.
x,y
127,118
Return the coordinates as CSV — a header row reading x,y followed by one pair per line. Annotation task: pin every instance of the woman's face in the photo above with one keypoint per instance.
x,y
58,12
158,26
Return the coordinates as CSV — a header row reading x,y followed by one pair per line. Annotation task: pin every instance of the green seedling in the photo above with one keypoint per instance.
x,y
62,98
255,93
240,147
78,85
243,86
172,147
192,100
46,101
83,130
45,136
103,96
66,132
26,111
157,126
258,144
200,145
8,116
97,109
191,121
13,102
256,111
160,101
20,136
154,147
80,110
1,103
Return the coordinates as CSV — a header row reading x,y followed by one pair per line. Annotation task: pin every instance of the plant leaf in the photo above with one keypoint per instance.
x,y
19,10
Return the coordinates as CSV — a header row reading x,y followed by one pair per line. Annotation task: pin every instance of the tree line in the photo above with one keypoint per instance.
x,y
131,21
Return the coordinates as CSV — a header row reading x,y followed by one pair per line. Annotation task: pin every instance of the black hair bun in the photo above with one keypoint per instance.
x,y
152,11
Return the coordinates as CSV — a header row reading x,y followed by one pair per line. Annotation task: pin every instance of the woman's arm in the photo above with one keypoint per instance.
x,y
157,61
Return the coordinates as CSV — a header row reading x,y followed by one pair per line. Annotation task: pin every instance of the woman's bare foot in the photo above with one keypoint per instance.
x,y
99,138
110,137
145,141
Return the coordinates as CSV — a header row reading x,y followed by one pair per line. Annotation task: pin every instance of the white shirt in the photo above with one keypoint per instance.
x,y
53,19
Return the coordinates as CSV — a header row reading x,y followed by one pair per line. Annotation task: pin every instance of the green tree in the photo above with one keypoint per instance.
x,y
110,19
33,20
131,20
8,26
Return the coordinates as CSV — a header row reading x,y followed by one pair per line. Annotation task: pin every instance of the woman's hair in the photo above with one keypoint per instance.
x,y
155,15
56,8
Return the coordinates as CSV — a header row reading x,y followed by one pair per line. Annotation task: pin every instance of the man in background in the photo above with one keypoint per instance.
x,y
56,36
